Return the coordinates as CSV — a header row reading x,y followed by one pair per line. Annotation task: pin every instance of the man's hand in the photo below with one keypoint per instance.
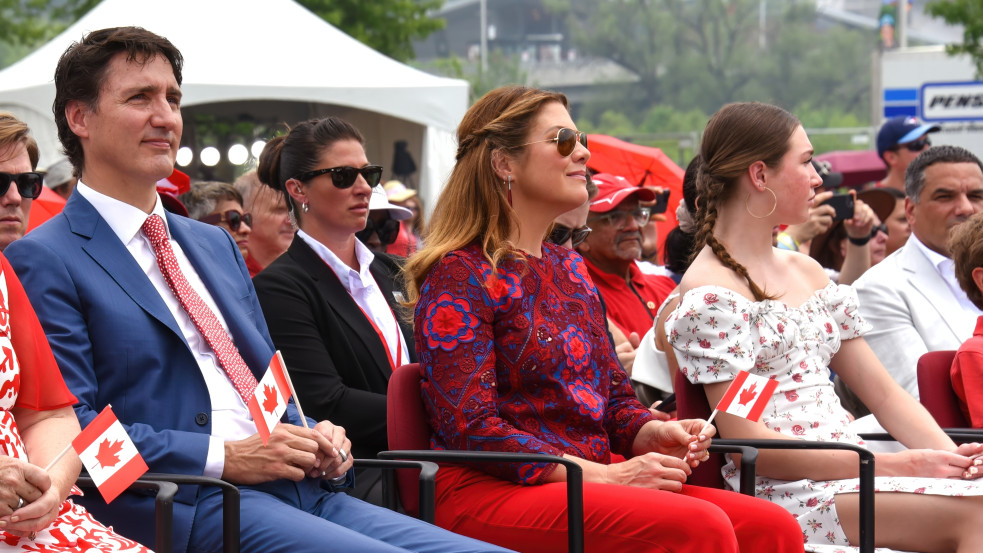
x,y
292,452
863,221
334,451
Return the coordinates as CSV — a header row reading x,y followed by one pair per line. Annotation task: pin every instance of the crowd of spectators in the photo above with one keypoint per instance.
x,y
533,301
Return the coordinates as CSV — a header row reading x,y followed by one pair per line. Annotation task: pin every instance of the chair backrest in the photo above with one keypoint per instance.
x,y
691,403
935,389
407,429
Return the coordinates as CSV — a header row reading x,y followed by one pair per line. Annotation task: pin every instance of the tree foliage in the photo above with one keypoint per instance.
x,y
388,26
969,14
28,24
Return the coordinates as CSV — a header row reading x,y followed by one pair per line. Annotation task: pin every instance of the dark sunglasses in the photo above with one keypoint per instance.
x,y
28,184
387,231
561,233
566,140
879,228
344,177
231,217
917,145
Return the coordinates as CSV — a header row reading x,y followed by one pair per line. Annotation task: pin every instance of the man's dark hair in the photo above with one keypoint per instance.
x,y
81,73
914,180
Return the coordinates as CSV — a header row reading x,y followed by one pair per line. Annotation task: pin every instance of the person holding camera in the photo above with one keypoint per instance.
x,y
912,299
857,239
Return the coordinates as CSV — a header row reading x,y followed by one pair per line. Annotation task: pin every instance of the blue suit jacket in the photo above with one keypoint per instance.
x,y
117,343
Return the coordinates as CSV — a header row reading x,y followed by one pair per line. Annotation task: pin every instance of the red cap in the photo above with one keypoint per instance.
x,y
612,190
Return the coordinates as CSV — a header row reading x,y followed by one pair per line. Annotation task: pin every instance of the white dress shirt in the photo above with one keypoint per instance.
x,y
361,286
230,416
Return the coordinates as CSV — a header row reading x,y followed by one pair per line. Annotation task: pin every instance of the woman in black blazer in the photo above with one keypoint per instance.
x,y
331,304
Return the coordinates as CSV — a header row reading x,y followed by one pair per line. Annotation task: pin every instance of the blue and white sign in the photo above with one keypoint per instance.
x,y
957,101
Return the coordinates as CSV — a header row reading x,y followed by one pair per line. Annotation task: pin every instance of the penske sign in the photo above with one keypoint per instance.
x,y
959,101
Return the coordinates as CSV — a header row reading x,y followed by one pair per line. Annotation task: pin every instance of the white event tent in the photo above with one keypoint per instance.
x,y
268,60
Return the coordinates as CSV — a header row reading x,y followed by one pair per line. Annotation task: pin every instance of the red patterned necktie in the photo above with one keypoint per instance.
x,y
203,318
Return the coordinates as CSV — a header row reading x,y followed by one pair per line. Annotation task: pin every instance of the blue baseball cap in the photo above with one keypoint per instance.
x,y
901,130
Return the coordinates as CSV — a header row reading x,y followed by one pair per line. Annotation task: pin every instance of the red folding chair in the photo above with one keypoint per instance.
x,y
935,389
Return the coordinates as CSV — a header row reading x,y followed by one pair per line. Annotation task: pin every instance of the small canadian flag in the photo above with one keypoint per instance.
x,y
109,455
269,401
747,396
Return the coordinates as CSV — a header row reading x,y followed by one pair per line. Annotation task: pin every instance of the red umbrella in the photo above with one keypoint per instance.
x,y
44,207
858,166
642,165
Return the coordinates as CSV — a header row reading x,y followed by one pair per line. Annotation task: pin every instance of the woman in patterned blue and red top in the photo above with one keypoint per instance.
x,y
512,341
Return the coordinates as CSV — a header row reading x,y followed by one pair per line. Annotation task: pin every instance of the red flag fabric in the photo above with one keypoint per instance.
x,y
269,401
109,455
747,396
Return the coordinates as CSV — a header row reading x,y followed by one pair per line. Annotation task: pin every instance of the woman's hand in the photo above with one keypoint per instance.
x,y
651,470
686,439
932,463
34,516
863,220
20,480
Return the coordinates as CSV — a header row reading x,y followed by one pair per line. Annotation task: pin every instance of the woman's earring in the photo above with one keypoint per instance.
x,y
508,182
305,206
748,208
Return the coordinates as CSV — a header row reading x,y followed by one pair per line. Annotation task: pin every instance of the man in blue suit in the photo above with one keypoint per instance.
x,y
123,334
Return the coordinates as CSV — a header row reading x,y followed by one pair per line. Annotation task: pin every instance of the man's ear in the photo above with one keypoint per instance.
x,y
890,158
501,163
77,113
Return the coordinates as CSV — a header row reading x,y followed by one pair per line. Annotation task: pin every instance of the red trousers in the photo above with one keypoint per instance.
x,y
624,519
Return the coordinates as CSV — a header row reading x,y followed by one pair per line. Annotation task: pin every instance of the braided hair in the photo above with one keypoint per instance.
x,y
737,135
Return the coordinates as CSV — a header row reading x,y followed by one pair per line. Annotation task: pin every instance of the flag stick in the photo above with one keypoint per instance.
x,y
58,457
709,421
293,392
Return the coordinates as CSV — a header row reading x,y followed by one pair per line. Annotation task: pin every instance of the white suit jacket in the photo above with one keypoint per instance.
x,y
912,311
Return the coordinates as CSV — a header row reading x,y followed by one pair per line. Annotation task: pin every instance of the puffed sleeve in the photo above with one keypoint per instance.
x,y
41,385
714,335
455,342
843,305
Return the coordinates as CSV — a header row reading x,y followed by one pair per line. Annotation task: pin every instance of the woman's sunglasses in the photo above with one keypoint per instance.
x,y
387,231
561,233
566,140
28,184
344,177
231,217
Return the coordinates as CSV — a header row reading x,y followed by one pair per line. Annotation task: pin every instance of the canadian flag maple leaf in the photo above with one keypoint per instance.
x,y
747,395
108,454
270,400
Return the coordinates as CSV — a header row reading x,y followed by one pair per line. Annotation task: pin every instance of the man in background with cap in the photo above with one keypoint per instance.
x,y
912,299
899,141
18,159
610,250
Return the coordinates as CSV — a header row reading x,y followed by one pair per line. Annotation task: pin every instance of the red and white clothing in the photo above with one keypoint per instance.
x,y
967,376
30,379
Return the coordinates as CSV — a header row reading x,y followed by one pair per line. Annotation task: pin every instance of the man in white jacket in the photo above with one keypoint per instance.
x,y
912,298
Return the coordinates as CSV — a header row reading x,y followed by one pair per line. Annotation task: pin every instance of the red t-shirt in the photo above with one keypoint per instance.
x,y
967,376
633,307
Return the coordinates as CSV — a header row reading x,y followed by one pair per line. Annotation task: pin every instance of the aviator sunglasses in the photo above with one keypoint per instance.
x,y
387,231
28,184
231,217
566,140
561,233
344,177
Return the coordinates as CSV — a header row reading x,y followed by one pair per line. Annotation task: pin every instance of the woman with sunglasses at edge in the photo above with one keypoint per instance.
x,y
328,301
515,357
219,204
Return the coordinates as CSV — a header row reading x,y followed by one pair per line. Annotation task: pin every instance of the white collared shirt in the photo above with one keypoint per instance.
x,y
362,287
230,416
946,269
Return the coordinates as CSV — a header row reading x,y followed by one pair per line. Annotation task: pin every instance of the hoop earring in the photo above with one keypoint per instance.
x,y
305,206
773,208
508,182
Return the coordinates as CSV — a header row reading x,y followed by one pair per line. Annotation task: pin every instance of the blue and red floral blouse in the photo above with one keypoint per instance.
x,y
520,361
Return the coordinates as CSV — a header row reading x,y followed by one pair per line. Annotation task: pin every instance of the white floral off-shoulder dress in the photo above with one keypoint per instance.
x,y
717,332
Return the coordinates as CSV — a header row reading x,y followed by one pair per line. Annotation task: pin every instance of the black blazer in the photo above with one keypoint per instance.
x,y
336,360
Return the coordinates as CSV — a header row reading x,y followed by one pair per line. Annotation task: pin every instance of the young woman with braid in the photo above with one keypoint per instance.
x,y
747,306
511,338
